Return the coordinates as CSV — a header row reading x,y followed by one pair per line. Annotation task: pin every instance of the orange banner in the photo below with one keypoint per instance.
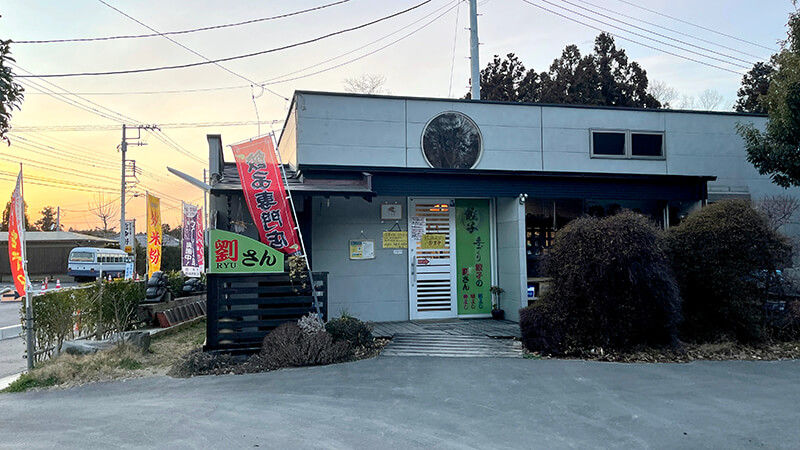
x,y
153,235
16,237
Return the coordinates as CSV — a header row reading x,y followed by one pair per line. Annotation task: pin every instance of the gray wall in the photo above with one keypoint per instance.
x,y
386,132
375,289
512,274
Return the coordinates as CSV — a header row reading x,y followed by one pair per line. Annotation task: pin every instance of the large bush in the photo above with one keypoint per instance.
x,y
351,330
722,255
290,346
612,287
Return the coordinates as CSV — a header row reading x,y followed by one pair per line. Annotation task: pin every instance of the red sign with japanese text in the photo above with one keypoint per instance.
x,y
262,183
16,237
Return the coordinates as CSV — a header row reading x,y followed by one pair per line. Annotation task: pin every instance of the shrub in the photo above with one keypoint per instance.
x,y
351,330
175,280
311,323
201,363
719,254
289,346
612,287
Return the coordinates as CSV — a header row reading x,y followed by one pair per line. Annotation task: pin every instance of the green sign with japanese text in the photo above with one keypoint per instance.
x,y
473,256
234,253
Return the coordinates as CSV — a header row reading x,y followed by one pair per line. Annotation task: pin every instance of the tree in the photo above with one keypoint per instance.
x,y
775,151
663,93
779,210
709,99
605,78
48,220
367,83
105,210
755,84
10,92
6,214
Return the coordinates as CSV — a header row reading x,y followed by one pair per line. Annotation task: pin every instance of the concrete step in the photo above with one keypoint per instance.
x,y
450,346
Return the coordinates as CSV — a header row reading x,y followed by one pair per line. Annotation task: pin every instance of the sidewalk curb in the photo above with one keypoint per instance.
x,y
6,381
10,332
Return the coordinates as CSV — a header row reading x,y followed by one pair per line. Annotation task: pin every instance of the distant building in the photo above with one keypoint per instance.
x,y
166,240
48,251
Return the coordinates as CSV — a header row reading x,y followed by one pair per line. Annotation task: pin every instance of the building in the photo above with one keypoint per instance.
x,y
48,251
479,188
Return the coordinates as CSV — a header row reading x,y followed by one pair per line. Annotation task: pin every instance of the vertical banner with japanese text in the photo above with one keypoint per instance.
x,y
262,184
473,256
16,237
153,235
130,235
192,264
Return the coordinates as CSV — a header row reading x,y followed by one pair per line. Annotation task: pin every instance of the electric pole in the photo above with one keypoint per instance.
x,y
473,50
124,149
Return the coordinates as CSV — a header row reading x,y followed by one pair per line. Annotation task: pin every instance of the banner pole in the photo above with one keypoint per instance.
x,y
297,225
28,300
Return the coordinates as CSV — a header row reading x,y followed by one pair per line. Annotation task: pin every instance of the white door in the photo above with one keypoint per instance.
x,y
432,269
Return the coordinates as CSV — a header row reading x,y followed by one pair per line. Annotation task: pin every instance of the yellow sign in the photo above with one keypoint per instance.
x,y
153,235
433,241
395,239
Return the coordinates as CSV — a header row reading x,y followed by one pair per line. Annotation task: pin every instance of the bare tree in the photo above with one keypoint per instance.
x,y
778,209
710,99
366,83
687,102
666,95
104,209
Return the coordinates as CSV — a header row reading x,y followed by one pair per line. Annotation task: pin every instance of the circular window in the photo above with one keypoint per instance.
x,y
451,140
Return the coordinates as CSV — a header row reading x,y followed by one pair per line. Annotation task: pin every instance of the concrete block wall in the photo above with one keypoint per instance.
x,y
511,269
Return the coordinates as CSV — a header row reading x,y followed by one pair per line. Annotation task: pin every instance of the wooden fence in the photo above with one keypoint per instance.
x,y
243,308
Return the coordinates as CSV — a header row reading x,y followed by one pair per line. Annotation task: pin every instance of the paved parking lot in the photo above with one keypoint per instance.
x,y
412,402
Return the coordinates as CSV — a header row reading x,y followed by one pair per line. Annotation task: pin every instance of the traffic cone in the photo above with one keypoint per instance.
x,y
58,283
109,277
44,285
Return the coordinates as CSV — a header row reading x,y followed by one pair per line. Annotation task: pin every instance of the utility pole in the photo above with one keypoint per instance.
x,y
58,219
473,50
124,149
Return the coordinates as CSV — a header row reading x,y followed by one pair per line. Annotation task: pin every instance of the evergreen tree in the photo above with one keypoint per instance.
x,y
755,84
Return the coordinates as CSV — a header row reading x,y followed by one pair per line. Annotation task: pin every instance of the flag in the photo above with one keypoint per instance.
x,y
262,184
153,235
16,237
192,264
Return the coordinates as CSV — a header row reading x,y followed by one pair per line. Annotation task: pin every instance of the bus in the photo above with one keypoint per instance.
x,y
89,263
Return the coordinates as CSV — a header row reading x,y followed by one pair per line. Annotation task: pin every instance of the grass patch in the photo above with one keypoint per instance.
x,y
119,362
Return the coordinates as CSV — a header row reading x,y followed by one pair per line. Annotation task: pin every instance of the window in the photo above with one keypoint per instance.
x,y
81,257
627,144
608,143
647,144
451,140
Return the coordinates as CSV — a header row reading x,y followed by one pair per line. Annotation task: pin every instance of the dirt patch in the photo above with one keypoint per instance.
x,y
720,351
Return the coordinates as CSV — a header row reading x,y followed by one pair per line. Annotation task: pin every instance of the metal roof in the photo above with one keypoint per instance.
x,y
58,236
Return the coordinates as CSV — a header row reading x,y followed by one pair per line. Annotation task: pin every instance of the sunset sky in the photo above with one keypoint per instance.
x,y
68,129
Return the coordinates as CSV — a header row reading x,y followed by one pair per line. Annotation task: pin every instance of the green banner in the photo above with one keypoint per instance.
x,y
473,256
234,253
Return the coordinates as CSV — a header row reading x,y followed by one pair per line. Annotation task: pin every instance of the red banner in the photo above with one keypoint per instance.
x,y
16,237
262,183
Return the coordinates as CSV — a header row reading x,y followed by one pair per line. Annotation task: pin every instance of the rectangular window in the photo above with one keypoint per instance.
x,y
608,143
627,144
648,145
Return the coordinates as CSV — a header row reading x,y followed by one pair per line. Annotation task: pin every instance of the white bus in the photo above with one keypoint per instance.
x,y
89,263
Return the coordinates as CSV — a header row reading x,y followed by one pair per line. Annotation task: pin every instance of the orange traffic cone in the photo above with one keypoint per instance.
x,y
44,285
58,283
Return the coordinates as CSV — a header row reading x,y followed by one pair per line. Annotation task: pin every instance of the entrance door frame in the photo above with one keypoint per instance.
x,y
412,296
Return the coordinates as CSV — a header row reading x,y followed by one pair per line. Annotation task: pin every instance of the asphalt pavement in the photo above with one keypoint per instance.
x,y
413,402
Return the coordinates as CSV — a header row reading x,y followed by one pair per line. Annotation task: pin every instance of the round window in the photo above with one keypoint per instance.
x,y
451,140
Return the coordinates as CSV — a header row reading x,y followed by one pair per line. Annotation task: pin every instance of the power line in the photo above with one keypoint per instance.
x,y
171,33
652,24
698,26
230,58
39,128
189,49
632,40
453,59
644,36
653,32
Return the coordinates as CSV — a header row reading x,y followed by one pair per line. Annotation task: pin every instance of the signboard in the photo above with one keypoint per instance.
x,y
262,184
362,249
130,234
473,257
433,241
192,264
391,211
129,270
395,239
153,235
234,253
417,227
